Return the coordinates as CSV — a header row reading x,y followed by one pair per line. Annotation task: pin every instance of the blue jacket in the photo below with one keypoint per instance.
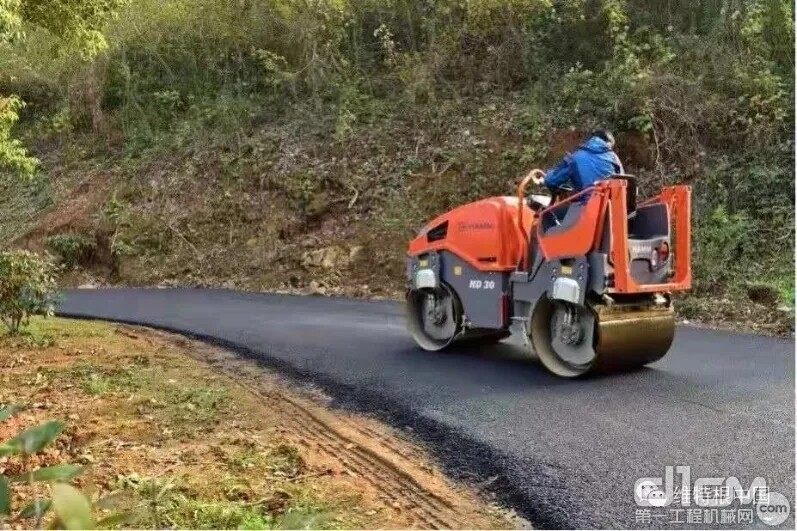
x,y
593,161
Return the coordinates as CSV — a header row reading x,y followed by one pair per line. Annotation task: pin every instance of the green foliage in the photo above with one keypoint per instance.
x,y
32,337
195,406
118,214
72,508
219,515
705,88
13,155
5,497
786,289
8,411
76,26
305,190
722,247
64,472
303,518
76,22
72,249
36,508
96,380
22,200
27,287
285,460
34,440
169,505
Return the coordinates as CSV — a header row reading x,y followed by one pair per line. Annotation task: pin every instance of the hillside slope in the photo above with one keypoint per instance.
x,y
288,148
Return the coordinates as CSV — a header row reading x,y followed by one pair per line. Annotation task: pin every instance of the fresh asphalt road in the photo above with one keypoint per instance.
x,y
567,453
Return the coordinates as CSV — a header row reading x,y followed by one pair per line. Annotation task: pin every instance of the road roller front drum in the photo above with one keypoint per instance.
x,y
433,317
435,320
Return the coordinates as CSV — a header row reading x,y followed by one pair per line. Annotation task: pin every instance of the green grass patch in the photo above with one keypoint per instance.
x,y
69,328
27,339
785,288
161,395
171,505
46,332
284,460
97,380
193,407
183,409
243,461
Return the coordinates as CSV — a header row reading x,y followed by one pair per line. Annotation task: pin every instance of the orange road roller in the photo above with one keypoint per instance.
x,y
586,277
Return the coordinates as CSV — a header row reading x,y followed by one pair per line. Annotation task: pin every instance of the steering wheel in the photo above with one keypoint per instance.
x,y
542,201
538,202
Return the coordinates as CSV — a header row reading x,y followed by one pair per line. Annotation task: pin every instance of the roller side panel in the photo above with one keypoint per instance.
x,y
544,279
482,293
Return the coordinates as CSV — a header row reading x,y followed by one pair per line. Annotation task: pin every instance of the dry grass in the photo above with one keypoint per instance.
x,y
184,445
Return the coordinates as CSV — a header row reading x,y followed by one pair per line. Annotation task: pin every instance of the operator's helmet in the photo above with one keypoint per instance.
x,y
605,135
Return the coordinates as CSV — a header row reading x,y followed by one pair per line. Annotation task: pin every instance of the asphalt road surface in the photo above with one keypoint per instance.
x,y
566,453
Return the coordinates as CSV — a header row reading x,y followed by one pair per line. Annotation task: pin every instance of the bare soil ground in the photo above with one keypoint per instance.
x,y
192,436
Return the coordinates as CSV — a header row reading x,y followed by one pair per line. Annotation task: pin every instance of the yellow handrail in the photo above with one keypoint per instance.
x,y
521,196
521,193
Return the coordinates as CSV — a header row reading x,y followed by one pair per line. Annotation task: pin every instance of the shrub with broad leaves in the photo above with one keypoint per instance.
x,y
27,287
71,507
72,249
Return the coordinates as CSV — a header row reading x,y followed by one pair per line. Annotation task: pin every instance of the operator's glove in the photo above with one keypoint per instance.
x,y
537,176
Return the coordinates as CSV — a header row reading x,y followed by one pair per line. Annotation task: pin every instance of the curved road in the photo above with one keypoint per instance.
x,y
565,453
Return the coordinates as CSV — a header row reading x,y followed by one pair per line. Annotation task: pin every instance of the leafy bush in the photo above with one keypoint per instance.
x,y
72,508
118,215
27,287
72,249
723,246
13,154
74,24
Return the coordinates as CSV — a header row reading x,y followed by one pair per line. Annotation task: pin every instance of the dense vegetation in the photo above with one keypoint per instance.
x,y
236,138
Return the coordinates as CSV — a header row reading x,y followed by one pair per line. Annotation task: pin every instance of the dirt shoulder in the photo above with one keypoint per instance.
x,y
161,423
